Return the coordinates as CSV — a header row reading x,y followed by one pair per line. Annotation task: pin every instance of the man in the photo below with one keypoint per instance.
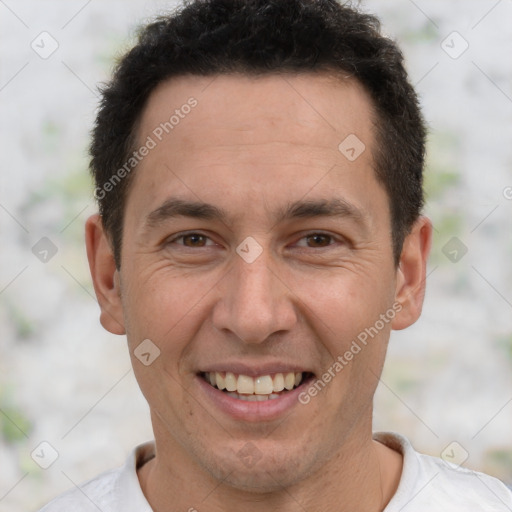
x,y
258,167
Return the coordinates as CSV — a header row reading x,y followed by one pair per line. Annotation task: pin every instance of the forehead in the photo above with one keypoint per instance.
x,y
327,103
262,138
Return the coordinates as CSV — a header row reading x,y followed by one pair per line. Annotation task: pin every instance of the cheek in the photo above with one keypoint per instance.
x,y
168,311
156,303
348,304
347,317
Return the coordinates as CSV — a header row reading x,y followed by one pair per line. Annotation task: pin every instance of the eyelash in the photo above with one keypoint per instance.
x,y
313,233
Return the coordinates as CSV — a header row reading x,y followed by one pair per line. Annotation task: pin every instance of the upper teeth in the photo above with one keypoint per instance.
x,y
261,385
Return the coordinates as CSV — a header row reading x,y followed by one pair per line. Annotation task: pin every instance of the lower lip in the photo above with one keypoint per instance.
x,y
267,410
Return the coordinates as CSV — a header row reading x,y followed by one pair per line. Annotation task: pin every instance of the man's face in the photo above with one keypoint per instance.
x,y
269,289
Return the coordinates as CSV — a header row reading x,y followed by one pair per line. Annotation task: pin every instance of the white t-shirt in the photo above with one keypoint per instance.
x,y
427,484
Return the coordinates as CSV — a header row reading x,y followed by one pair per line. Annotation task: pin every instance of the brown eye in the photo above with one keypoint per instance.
x,y
190,240
319,240
194,239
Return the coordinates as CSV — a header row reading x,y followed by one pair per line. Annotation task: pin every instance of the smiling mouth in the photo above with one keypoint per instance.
x,y
255,389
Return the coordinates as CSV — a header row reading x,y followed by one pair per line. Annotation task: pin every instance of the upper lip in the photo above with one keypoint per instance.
x,y
255,370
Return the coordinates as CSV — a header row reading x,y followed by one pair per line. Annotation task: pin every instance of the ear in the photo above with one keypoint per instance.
x,y
105,276
412,273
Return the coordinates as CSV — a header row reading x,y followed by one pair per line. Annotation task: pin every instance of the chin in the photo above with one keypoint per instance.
x,y
256,484
256,468
261,479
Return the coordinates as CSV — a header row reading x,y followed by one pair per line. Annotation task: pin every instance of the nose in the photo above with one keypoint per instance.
x,y
255,301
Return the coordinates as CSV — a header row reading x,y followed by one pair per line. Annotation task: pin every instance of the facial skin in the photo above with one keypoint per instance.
x,y
251,147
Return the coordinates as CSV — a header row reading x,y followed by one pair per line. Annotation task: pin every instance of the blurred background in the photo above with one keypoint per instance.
x,y
68,384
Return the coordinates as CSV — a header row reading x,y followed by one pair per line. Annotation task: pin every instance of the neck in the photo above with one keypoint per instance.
x,y
362,476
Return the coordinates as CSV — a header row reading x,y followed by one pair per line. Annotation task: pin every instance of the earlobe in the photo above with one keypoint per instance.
x,y
104,275
411,273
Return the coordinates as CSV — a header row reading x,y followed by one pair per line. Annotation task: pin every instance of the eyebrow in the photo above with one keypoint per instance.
x,y
301,209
